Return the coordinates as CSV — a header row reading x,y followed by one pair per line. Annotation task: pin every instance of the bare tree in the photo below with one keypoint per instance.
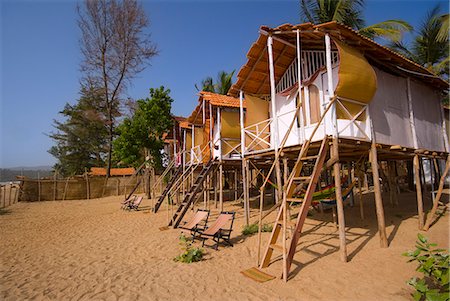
x,y
115,48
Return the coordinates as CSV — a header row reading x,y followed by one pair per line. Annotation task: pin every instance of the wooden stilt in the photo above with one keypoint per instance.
x,y
245,166
249,185
392,178
438,196
420,214
235,185
221,187
261,206
339,202
215,189
422,177
361,203
378,197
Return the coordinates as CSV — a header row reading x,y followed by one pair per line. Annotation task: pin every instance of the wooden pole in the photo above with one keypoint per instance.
x,y
245,190
16,194
10,192
65,189
2,188
378,198
422,177
39,188
417,177
235,185
54,185
393,196
339,202
438,195
261,206
221,186
361,203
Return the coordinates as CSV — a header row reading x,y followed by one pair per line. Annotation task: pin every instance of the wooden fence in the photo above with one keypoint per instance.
x,y
9,194
78,188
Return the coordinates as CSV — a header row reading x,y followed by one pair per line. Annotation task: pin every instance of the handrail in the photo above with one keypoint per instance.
x,y
288,132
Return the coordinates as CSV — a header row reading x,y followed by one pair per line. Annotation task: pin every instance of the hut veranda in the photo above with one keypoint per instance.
x,y
313,108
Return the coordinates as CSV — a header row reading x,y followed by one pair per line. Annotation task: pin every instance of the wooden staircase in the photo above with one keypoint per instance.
x,y
191,196
172,181
288,246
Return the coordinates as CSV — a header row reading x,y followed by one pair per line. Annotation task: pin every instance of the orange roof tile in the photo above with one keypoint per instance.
x,y
220,100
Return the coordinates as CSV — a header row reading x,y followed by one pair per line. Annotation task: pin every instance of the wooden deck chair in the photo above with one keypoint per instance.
x,y
197,223
218,230
135,204
124,204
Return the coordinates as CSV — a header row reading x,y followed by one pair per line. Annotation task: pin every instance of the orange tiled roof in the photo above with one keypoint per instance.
x,y
185,124
100,171
220,100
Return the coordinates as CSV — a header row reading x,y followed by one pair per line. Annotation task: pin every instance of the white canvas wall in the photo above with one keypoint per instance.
x,y
389,111
427,117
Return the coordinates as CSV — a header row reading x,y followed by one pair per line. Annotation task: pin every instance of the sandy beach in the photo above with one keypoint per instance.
x,y
92,250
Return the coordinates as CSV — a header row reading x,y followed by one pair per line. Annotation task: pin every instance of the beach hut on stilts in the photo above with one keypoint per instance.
x,y
210,155
335,99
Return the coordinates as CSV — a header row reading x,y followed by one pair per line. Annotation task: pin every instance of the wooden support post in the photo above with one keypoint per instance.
x,y
392,179
215,189
261,206
220,186
39,188
235,185
3,192
10,192
245,190
361,203
88,188
417,177
55,183
16,194
339,201
438,195
378,198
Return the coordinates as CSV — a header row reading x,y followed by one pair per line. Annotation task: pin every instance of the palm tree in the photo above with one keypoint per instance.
x,y
430,46
223,84
349,12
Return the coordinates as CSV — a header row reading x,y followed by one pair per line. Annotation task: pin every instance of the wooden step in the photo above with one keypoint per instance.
x,y
296,200
309,158
305,179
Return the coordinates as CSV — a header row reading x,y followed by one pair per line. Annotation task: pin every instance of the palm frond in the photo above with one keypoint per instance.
x,y
442,35
391,30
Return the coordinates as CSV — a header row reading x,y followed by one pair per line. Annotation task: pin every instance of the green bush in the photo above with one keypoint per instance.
x,y
190,254
433,264
253,228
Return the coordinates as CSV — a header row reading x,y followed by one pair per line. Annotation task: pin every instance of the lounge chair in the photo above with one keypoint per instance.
x,y
124,204
135,204
197,223
218,230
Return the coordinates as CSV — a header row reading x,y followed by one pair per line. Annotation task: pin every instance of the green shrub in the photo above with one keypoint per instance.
x,y
253,228
434,265
190,254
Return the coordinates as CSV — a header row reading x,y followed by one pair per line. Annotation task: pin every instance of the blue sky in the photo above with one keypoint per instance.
x,y
39,57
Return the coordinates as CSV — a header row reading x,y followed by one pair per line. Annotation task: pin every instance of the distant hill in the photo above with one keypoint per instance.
x,y
9,174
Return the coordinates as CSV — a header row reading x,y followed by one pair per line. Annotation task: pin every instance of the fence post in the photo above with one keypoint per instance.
x,y
16,194
2,195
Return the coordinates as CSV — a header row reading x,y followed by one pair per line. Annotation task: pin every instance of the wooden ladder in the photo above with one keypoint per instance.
x,y
168,187
288,191
191,196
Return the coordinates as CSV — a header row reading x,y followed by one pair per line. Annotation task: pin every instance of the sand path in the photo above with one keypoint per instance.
x,y
91,250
